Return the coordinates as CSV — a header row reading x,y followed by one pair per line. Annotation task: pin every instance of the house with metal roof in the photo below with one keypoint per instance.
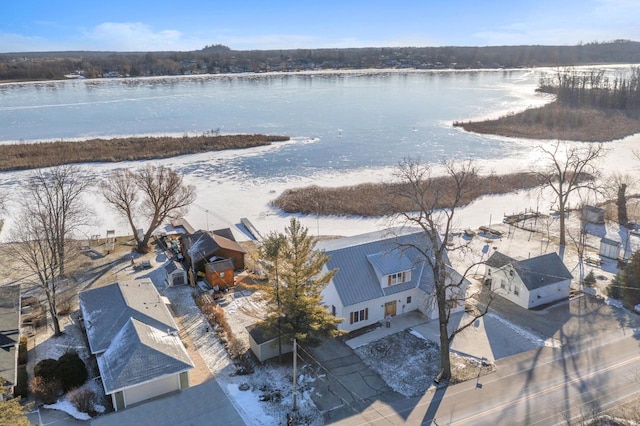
x,y
528,283
380,274
135,341
9,334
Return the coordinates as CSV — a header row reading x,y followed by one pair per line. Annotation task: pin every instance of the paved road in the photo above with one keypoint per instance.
x,y
541,387
597,366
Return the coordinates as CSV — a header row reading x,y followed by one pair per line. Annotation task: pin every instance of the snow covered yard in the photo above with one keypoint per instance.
x,y
420,361
45,345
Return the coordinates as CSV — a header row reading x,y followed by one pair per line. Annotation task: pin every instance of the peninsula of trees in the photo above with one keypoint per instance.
x,y
589,107
47,154
217,59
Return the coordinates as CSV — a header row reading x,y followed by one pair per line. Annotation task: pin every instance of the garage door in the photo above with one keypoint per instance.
x,y
151,389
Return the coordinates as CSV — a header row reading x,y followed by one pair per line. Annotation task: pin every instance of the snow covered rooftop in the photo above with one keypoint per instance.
x,y
107,309
140,353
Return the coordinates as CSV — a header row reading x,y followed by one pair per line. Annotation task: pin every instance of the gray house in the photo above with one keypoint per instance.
x,y
531,282
380,274
134,338
9,333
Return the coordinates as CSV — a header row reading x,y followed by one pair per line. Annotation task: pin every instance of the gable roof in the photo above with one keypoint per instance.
x,y
107,309
535,272
220,265
358,258
141,353
224,232
9,331
206,244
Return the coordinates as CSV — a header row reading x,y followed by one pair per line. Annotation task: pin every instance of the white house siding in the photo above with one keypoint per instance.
x,y
500,277
331,299
152,389
427,304
374,313
550,293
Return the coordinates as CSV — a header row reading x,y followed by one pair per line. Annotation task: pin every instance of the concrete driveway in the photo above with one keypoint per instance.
x,y
344,379
491,337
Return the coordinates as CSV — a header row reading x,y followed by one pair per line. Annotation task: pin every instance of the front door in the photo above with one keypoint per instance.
x,y
390,308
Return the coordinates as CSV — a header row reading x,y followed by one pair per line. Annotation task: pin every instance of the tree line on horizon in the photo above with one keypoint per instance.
x,y
216,59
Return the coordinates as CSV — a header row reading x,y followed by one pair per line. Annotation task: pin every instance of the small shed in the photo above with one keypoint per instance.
x,y
263,343
220,273
593,214
175,274
609,248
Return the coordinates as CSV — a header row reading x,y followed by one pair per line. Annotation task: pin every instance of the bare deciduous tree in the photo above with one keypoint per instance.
x,y
153,194
33,249
426,197
567,169
51,210
55,197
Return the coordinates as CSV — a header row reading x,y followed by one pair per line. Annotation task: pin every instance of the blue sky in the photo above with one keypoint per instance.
x,y
151,25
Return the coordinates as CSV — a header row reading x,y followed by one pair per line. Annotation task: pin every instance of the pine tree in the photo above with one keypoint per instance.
x,y
11,411
301,279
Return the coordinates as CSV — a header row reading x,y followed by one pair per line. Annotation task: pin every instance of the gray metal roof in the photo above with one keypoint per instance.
x,y
535,272
9,331
140,353
356,259
107,309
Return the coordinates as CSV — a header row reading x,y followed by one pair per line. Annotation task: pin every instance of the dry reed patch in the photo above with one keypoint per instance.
x,y
48,154
379,199
554,121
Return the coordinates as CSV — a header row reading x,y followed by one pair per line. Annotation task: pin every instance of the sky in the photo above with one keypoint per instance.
x,y
156,25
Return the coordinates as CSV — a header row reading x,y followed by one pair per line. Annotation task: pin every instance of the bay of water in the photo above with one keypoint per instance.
x,y
354,120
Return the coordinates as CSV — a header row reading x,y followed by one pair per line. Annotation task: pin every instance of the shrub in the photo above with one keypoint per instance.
x,y
21,388
71,371
84,399
22,351
590,279
46,369
46,391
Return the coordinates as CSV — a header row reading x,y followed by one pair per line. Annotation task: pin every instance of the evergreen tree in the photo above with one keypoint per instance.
x,y
626,284
11,411
300,313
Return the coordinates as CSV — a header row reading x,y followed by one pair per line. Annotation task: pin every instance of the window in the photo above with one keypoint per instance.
x,y
408,299
221,274
396,278
361,315
516,290
502,284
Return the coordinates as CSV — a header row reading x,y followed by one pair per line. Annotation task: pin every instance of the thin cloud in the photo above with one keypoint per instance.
x,y
137,36
11,42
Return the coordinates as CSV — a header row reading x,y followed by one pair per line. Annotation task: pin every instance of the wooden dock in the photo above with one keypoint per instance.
x,y
250,228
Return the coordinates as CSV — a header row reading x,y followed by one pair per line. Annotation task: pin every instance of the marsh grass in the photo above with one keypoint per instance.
x,y
555,121
378,199
47,154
